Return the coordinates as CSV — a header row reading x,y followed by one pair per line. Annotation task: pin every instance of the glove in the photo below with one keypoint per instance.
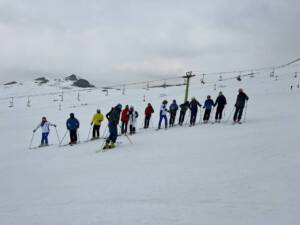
x,y
91,123
34,130
54,125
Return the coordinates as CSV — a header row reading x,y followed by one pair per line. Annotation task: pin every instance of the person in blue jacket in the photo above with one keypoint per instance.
x,y
173,110
208,105
72,125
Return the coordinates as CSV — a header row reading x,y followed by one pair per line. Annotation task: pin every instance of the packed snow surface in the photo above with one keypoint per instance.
x,y
213,174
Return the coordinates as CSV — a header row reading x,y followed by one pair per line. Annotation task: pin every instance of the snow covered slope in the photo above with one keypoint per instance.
x,y
208,174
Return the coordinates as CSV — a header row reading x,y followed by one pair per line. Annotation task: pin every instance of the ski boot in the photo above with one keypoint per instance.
x,y
106,146
112,145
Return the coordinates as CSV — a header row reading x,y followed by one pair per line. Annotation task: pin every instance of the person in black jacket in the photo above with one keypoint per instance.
x,y
239,106
194,110
113,118
183,108
221,102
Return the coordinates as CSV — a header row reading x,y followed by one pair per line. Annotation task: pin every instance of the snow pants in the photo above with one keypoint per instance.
x,y
73,135
206,115
124,127
160,120
113,133
147,121
44,140
181,117
193,118
219,112
238,114
172,119
96,129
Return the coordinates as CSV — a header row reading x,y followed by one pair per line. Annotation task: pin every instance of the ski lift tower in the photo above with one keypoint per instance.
x,y
188,76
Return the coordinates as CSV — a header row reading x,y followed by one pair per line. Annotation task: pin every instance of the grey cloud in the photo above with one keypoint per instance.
x,y
127,39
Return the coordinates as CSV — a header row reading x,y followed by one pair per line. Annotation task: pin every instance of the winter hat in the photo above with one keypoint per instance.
x,y
98,110
72,115
119,106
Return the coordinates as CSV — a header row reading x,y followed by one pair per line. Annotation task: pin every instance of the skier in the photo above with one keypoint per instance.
x,y
173,110
97,119
183,108
148,112
113,118
208,105
45,127
163,114
221,102
239,106
133,115
124,119
194,110
72,125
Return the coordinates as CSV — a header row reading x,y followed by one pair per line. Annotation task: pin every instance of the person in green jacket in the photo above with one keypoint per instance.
x,y
183,108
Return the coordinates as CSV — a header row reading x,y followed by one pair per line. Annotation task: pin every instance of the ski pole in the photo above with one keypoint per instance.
x,y
211,114
230,115
245,112
188,118
30,144
78,137
104,132
127,137
57,135
63,138
88,137
200,115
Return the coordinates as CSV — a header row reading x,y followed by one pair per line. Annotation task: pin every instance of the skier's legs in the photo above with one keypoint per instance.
x,y
207,111
114,133
46,138
166,121
159,122
123,127
97,131
240,113
235,114
94,131
205,116
43,139
219,113
181,115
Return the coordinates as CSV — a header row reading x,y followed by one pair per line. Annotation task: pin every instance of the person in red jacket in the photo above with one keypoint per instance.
x,y
124,119
148,112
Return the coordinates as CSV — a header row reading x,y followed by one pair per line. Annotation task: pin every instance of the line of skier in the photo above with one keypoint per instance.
x,y
129,117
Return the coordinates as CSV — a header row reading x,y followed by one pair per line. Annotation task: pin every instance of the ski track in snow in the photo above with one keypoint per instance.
x,y
208,174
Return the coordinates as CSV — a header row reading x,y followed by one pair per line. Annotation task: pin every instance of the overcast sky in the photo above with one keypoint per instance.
x,y
133,39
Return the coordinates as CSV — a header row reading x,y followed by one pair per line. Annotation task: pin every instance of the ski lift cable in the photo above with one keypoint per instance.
x,y
252,72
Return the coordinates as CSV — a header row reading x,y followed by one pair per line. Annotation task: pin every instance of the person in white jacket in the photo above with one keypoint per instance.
x,y
163,114
133,115
45,127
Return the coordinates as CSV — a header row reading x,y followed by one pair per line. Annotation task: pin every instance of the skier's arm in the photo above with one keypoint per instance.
x,y
52,124
37,127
